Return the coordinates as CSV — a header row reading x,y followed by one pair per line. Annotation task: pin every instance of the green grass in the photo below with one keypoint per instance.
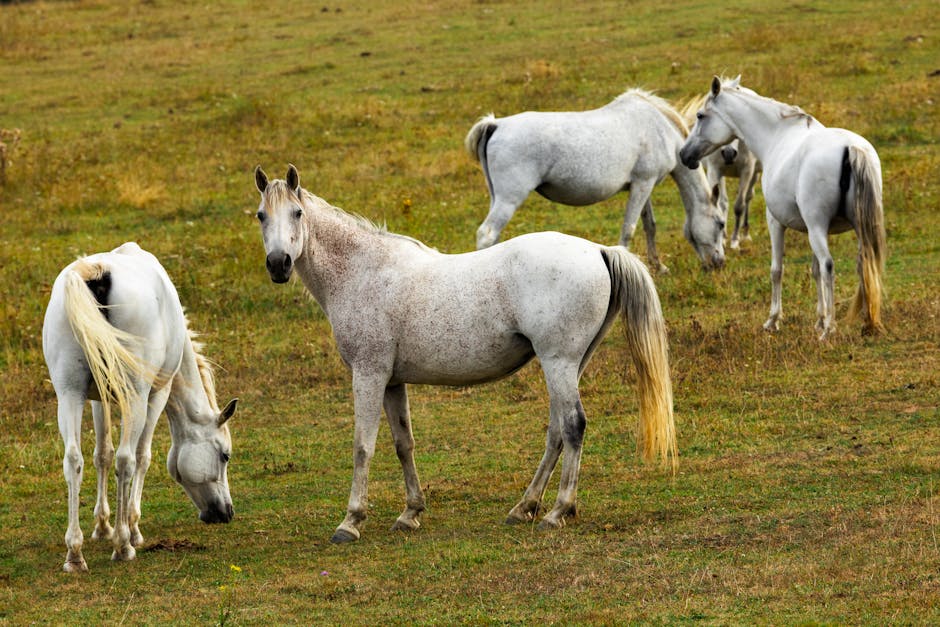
x,y
808,484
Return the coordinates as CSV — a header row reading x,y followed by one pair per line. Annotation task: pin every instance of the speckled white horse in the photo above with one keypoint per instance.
x,y
404,313
583,157
115,334
817,180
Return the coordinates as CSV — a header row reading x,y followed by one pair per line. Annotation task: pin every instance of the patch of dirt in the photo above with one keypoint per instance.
x,y
171,545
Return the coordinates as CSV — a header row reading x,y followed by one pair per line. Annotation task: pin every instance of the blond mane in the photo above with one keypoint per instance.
x,y
677,119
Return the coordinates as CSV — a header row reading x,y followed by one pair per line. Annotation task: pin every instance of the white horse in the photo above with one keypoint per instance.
x,y
115,334
816,180
404,313
734,160
583,157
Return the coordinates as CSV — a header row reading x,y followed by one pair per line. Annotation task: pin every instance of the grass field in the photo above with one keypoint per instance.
x,y
807,491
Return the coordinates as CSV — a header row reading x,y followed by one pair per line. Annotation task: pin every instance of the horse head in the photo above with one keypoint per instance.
x,y
282,229
198,461
711,130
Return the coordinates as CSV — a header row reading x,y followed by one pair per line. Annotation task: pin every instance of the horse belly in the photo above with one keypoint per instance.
x,y
463,360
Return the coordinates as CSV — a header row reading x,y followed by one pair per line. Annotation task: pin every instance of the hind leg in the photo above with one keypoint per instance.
x,y
399,419
70,426
104,457
649,227
526,509
508,191
568,413
823,271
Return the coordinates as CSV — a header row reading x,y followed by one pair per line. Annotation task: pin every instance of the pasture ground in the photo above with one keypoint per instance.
x,y
808,483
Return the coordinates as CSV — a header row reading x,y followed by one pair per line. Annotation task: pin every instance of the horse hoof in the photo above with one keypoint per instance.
x,y
735,244
410,524
102,533
550,525
124,555
76,566
771,326
343,536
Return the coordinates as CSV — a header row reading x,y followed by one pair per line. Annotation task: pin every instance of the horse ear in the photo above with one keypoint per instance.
x,y
228,412
261,179
716,86
293,178
736,82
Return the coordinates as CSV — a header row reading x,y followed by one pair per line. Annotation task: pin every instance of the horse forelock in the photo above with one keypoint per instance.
x,y
278,193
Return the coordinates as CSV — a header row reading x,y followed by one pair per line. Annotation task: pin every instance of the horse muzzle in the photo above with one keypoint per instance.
x,y
217,513
729,154
279,266
687,158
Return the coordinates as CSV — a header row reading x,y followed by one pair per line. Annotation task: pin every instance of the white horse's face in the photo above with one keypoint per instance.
x,y
199,463
711,131
282,226
705,230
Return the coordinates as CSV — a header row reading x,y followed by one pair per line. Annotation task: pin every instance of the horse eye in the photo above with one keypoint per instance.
x,y
298,213
225,457
260,216
699,115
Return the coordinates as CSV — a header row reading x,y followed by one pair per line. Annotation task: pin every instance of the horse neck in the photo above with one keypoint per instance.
x,y
337,250
188,396
693,188
757,122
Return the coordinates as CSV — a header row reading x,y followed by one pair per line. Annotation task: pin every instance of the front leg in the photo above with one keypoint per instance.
x,y
638,200
368,393
154,409
776,230
649,226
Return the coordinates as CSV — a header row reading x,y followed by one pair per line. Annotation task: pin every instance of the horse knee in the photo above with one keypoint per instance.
x,y
73,461
124,465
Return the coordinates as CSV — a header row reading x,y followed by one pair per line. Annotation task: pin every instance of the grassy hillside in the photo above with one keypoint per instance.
x,y
808,483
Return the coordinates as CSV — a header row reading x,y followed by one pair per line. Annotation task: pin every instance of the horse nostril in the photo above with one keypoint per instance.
x,y
286,264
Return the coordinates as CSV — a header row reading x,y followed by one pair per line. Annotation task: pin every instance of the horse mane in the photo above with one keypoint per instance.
x,y
787,111
204,366
354,219
663,106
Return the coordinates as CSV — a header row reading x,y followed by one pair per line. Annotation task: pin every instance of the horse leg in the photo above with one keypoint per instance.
x,y
125,467
104,457
649,227
751,177
776,230
526,509
639,198
502,208
825,281
368,392
399,419
567,412
154,409
70,427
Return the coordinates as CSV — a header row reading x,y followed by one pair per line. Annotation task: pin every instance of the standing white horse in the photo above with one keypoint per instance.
x,y
115,334
403,313
816,180
583,157
734,160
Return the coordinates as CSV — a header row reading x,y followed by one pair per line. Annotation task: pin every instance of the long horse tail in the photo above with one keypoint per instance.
x,y
634,295
107,349
870,226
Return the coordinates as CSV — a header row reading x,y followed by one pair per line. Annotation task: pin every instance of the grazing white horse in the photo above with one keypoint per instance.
x,y
583,157
404,313
816,180
115,334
